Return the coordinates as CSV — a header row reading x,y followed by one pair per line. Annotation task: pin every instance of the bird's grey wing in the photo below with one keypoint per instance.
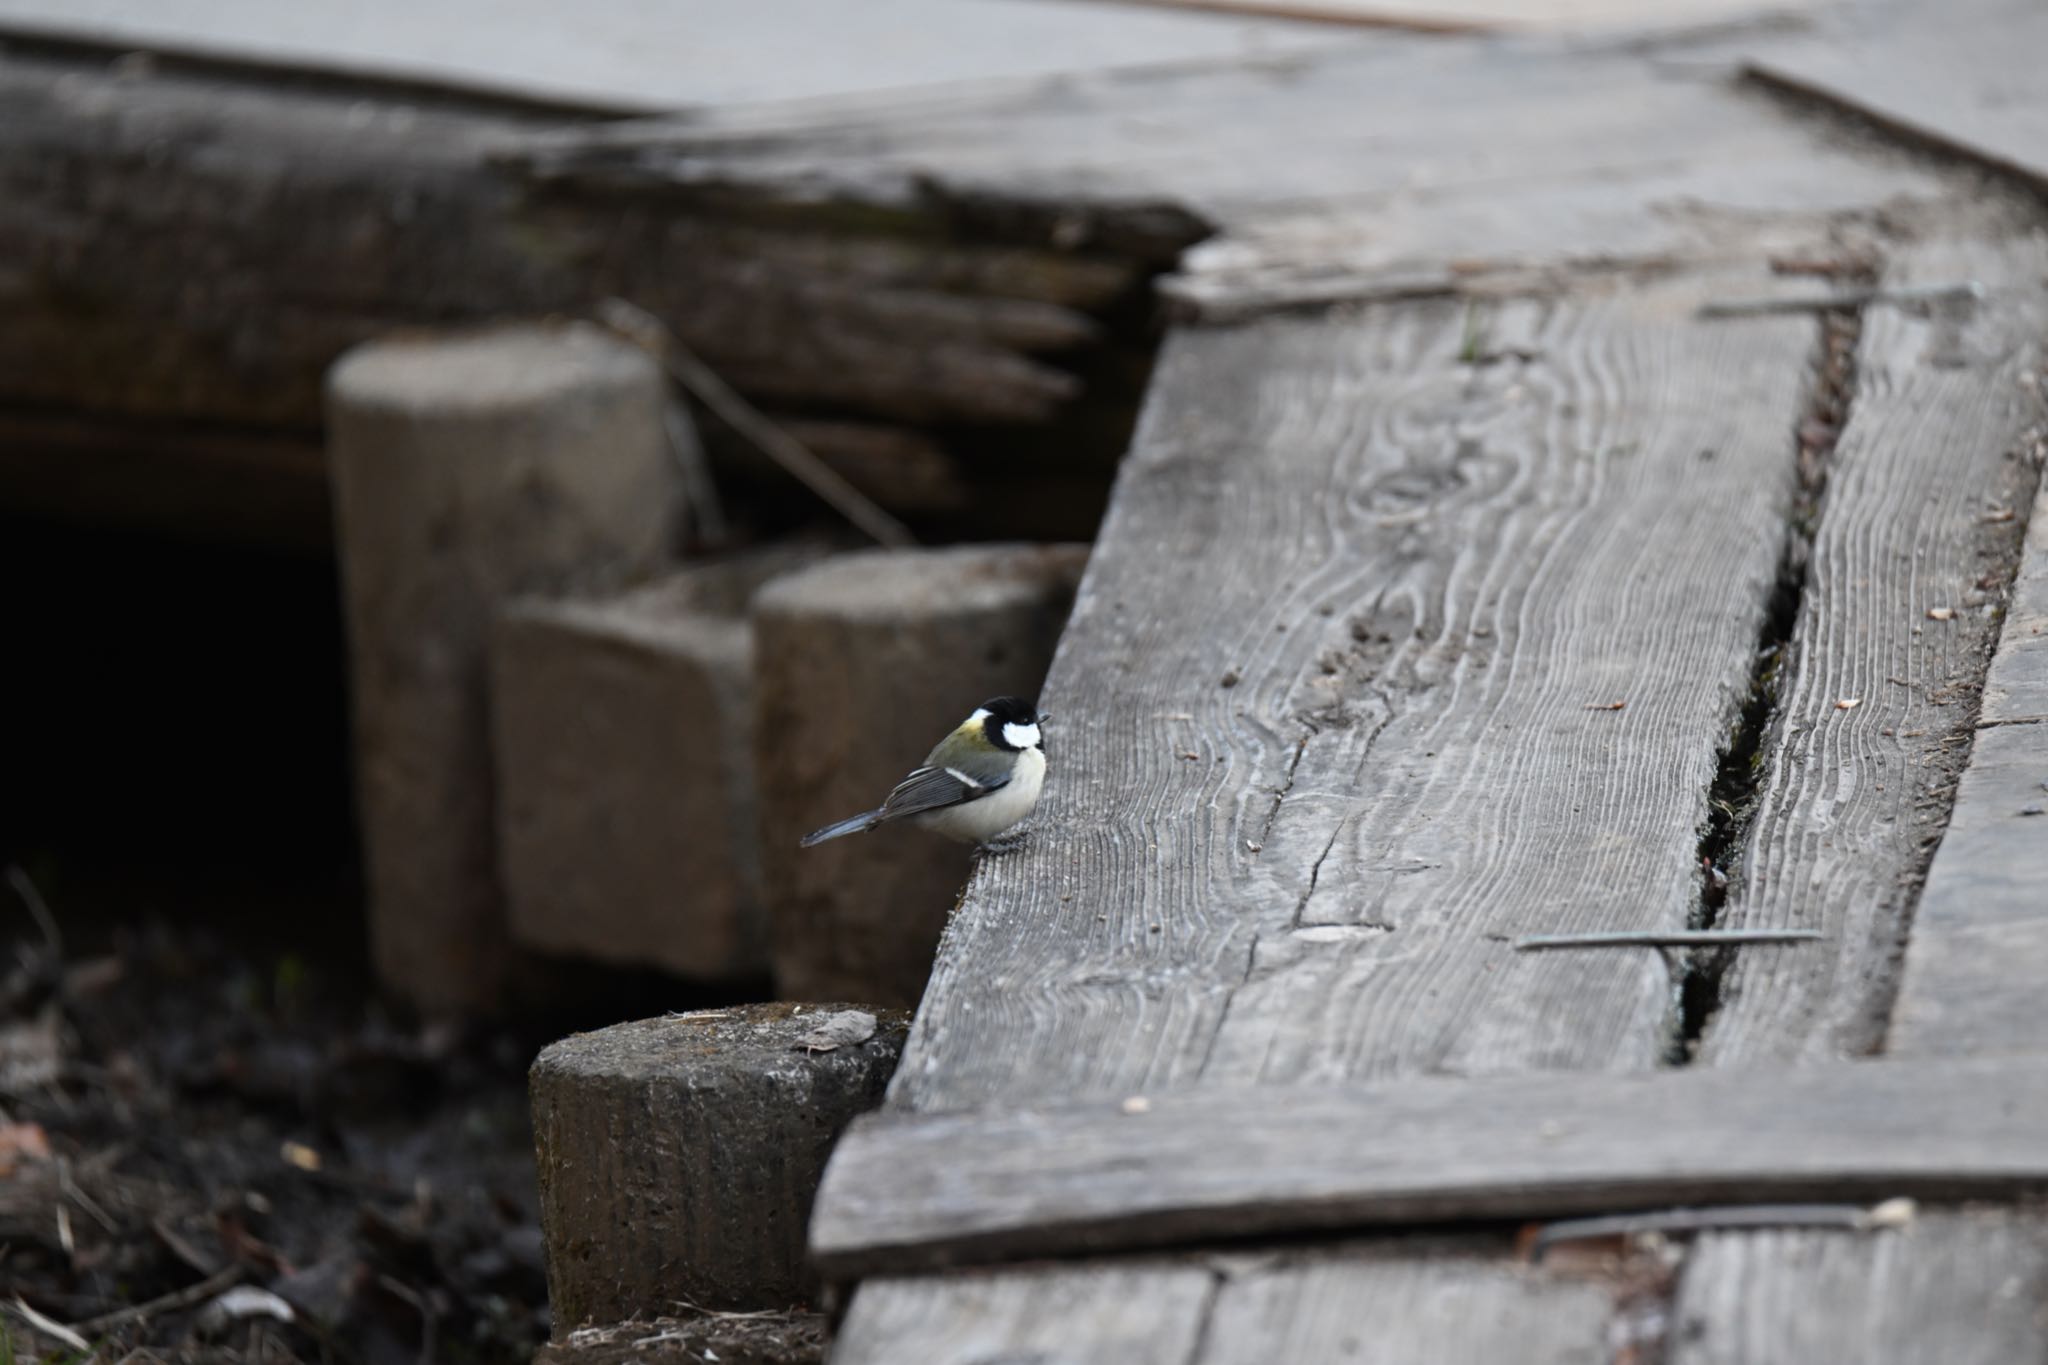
x,y
935,788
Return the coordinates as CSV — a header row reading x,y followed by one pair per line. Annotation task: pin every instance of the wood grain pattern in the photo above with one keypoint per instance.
x,y
1379,1306
1322,519
1353,599
1851,799
1215,1164
322,219
1314,169
1962,1289
1104,1313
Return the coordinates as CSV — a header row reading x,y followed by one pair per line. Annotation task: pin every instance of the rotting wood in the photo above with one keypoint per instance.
x,y
1217,1165
320,218
1851,799
1959,1288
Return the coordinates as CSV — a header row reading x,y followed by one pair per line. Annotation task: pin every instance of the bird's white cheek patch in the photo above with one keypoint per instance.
x,y
1021,736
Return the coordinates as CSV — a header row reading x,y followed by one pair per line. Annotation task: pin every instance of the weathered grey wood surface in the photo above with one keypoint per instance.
x,y
1961,76
1135,1313
1921,514
1959,1288
2016,690
195,250
1318,170
1387,1306
1349,579
640,56
914,1192
1328,705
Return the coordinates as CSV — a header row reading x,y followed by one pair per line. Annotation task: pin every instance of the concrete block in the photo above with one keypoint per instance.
x,y
679,1156
469,469
862,663
627,823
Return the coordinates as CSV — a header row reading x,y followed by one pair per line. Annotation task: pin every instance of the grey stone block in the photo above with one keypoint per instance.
x,y
469,469
627,823
863,662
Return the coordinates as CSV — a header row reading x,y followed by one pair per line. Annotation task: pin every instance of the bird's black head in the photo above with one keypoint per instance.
x,y
1011,723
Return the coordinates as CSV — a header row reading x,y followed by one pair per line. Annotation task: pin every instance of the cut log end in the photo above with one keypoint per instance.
x,y
679,1156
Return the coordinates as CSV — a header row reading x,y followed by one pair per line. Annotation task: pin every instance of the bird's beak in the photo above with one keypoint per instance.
x,y
1044,716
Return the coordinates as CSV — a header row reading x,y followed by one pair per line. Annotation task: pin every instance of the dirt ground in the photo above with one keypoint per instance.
x,y
207,1157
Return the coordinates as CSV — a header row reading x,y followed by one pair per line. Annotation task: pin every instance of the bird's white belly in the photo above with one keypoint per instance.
x,y
978,821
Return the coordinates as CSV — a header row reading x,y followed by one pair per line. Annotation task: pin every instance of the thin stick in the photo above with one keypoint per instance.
x,y
1674,938
1852,1216
33,899
50,1327
221,1279
1964,292
638,325
704,507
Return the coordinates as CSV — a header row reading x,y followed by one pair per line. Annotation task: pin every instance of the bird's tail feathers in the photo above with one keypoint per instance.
x,y
853,824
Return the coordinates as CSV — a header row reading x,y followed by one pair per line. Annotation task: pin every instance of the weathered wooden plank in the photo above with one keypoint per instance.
x,y
1352,606
2016,690
322,218
1980,933
1963,77
1314,169
1917,530
1215,1164
1961,1288
1396,1306
1979,951
1105,1313
1324,516
643,55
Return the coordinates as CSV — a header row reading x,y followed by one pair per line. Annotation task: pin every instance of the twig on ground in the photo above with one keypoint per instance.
x,y
50,1327
421,1305
699,489
1852,1216
642,328
1965,291
33,899
71,1191
1659,938
223,1278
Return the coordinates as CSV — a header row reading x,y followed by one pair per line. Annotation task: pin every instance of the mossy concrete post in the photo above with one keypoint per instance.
x,y
862,663
469,469
679,1156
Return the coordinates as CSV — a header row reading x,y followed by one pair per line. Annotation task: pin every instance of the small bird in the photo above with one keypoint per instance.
x,y
980,780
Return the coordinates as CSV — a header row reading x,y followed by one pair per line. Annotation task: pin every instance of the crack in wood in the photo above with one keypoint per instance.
x,y
1699,977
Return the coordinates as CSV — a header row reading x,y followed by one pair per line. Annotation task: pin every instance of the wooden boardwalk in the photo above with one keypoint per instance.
x,y
1477,572
1586,486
